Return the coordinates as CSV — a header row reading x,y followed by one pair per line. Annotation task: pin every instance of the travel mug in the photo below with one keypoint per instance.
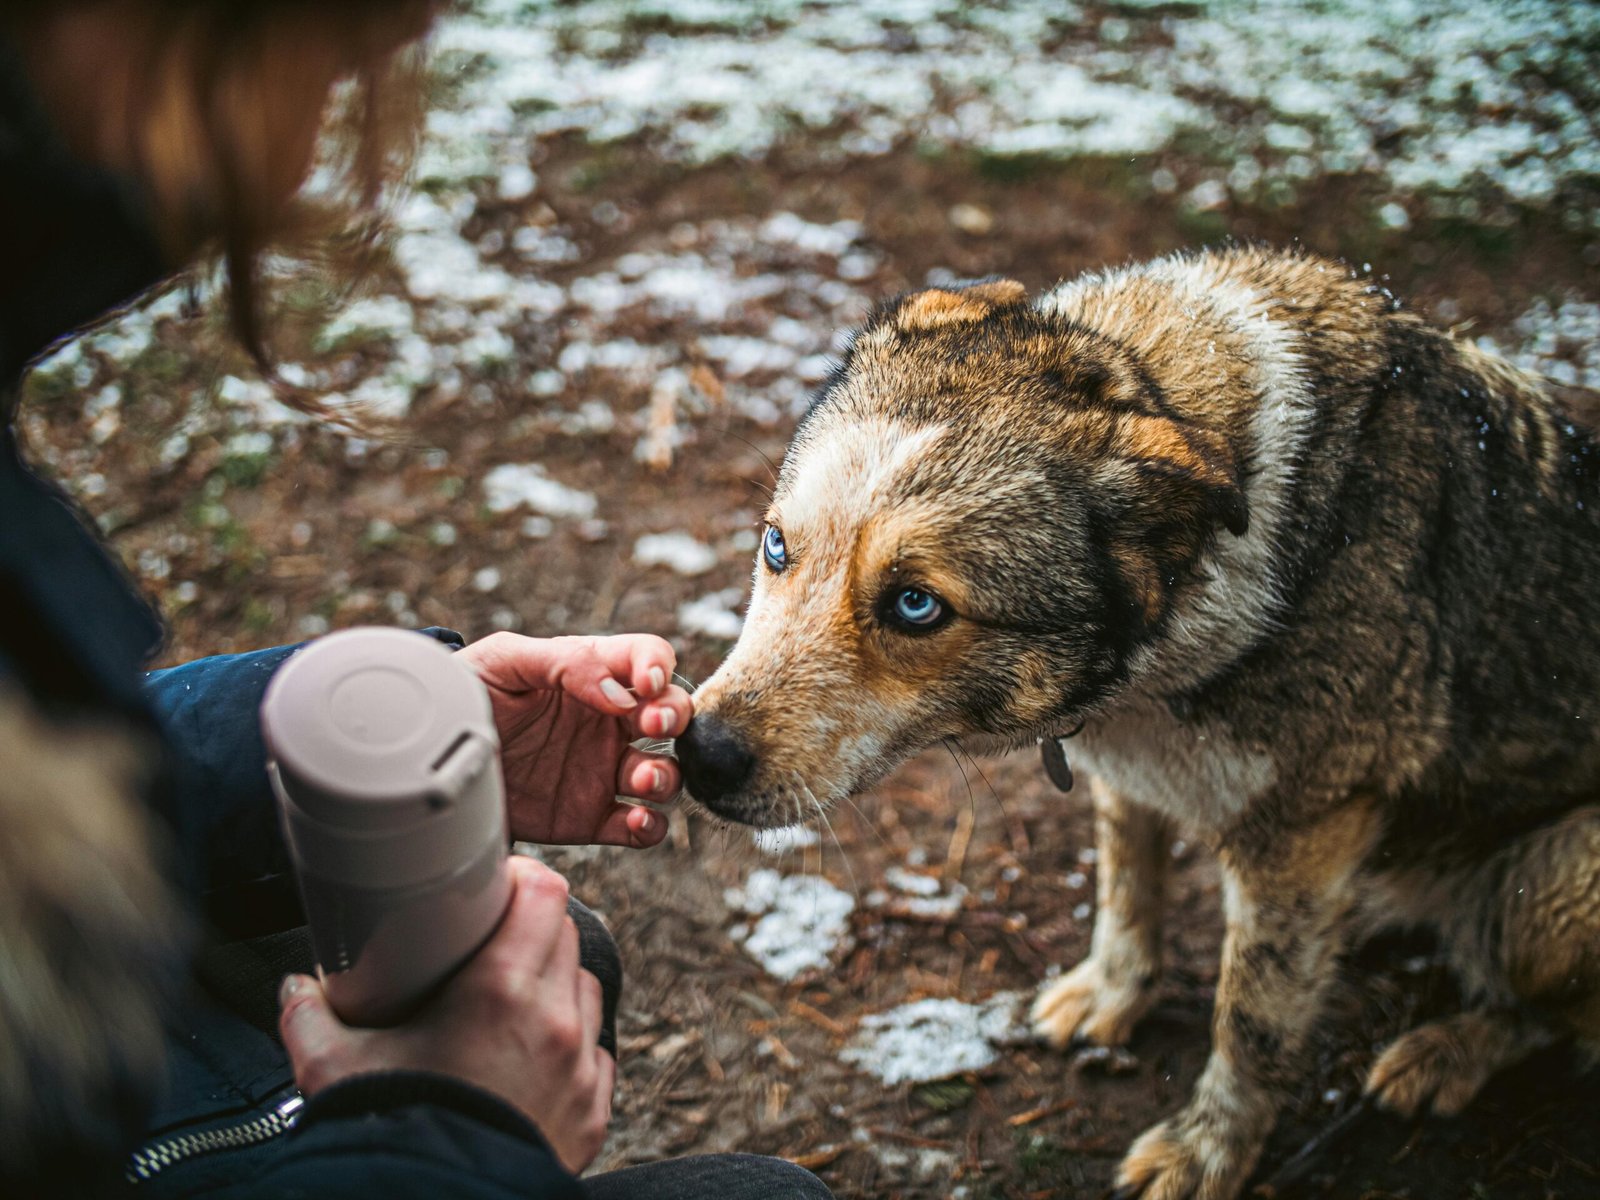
x,y
383,754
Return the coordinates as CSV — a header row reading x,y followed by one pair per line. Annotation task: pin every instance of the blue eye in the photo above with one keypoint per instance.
x,y
916,608
772,549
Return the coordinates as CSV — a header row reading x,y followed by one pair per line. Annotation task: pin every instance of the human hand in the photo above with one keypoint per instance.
x,y
521,1020
566,720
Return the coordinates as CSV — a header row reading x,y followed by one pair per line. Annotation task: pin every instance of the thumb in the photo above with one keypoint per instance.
x,y
317,1041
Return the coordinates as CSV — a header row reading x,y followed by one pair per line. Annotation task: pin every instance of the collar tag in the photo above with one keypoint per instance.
x,y
1054,752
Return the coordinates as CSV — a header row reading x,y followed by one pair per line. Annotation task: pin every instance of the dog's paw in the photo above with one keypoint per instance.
x,y
1438,1065
1185,1159
1085,1005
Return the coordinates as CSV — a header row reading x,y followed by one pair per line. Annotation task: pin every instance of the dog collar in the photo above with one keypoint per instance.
x,y
1053,750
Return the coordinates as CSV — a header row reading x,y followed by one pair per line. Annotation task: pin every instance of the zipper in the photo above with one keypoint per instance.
x,y
150,1160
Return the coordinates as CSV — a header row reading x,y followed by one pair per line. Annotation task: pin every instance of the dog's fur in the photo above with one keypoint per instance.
x,y
1322,581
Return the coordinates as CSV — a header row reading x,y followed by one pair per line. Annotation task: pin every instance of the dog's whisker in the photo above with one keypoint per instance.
x,y
867,821
772,467
966,756
822,812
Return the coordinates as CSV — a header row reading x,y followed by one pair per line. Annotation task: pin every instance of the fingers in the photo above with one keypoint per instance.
x,y
631,825
652,777
644,661
530,934
606,1069
667,715
655,706
626,675
317,1041
563,963
640,662
589,1006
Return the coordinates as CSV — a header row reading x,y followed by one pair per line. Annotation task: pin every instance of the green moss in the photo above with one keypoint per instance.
x,y
1043,1162
258,616
245,470
1013,168
947,1095
1202,227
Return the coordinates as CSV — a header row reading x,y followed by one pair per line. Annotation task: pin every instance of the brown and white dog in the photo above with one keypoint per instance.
x,y
1321,583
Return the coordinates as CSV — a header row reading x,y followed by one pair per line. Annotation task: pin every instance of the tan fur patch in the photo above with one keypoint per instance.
x,y
937,306
1195,452
927,310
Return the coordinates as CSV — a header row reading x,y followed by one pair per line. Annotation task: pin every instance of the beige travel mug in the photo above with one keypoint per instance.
x,y
383,754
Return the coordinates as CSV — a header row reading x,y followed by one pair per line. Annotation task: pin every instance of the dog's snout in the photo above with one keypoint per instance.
x,y
716,762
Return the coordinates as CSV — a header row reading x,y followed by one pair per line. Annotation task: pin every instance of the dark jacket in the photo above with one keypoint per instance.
x,y
74,638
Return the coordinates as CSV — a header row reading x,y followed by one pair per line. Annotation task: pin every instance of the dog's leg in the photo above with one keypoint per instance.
x,y
1541,922
1443,1064
1524,930
1288,904
1103,997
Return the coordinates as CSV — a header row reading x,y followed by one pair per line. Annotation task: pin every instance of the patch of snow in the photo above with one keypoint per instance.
x,y
802,921
922,897
911,883
928,1163
517,181
713,616
778,842
371,316
525,485
679,551
1560,339
928,1040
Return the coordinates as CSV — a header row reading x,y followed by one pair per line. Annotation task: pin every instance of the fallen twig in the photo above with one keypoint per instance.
x,y
1300,1164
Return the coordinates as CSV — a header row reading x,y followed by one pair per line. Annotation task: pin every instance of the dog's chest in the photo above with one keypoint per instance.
x,y
1196,772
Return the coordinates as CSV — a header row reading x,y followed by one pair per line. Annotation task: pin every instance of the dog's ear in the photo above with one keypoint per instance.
x,y
1192,460
1175,484
959,302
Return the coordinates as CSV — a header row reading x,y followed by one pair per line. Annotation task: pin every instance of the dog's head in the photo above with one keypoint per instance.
x,y
983,519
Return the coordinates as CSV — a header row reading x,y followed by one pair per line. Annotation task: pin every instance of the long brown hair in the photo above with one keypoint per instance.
x,y
214,108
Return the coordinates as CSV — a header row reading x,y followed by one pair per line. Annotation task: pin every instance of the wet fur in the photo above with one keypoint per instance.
x,y
1319,578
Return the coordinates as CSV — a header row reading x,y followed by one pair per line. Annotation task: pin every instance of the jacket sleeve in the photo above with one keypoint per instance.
x,y
411,1134
227,844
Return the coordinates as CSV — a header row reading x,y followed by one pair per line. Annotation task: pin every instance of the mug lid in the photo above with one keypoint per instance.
x,y
370,714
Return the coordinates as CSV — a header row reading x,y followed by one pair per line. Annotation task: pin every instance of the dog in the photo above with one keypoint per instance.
x,y
1320,583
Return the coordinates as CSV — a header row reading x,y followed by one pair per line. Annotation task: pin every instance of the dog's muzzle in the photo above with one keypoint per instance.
x,y
716,765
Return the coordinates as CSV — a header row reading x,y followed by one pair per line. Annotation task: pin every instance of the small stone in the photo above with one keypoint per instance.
x,y
972,219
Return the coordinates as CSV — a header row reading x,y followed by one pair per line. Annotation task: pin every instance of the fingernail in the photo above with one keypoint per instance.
x,y
287,989
658,779
617,694
663,721
658,680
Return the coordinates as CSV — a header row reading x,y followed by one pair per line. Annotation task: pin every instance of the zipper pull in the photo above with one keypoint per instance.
x,y
289,1111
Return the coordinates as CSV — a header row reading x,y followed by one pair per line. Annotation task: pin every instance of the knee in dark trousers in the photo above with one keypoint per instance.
x,y
709,1177
598,954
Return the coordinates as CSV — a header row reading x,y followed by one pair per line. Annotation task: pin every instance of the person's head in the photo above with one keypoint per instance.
x,y
212,109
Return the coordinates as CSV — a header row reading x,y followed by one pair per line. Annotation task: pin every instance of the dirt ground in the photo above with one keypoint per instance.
x,y
717,1055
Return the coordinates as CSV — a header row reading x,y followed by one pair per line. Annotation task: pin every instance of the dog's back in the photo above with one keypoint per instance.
x,y
1429,519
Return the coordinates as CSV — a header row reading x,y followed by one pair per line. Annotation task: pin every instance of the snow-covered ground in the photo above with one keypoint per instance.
x,y
933,1039
1437,97
799,923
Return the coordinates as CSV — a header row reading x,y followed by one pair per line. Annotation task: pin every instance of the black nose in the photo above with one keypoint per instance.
x,y
715,762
